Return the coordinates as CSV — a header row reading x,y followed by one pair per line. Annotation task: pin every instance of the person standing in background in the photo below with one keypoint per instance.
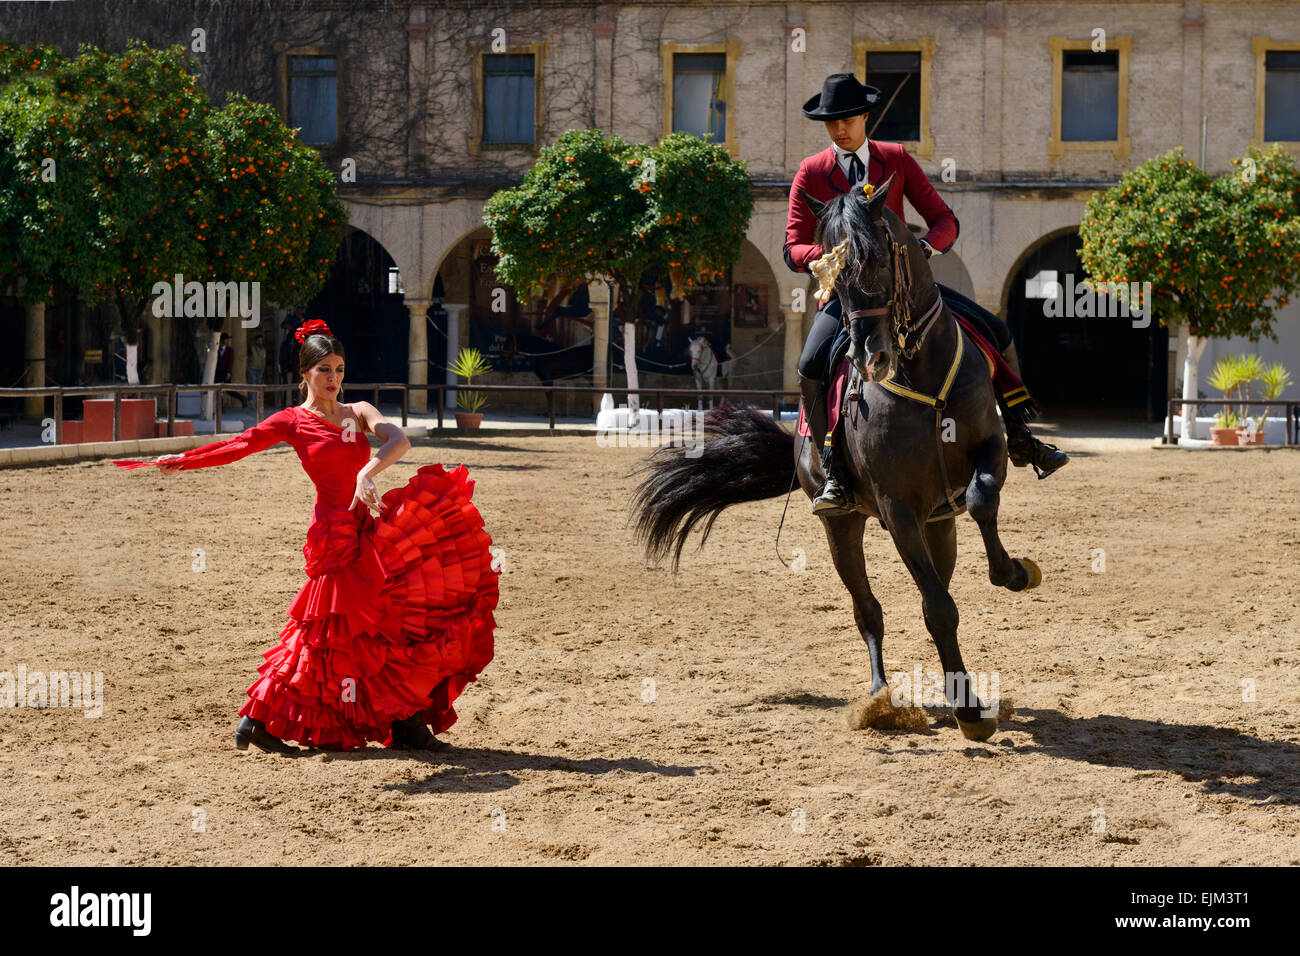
x,y
226,366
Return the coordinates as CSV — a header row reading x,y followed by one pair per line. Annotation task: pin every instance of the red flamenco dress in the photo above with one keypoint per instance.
x,y
396,615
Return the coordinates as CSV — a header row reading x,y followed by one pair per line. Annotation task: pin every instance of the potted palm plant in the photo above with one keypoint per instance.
x,y
470,363
1275,379
1227,377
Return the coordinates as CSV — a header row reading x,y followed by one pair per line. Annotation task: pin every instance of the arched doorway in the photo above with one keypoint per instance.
x,y
361,302
1098,365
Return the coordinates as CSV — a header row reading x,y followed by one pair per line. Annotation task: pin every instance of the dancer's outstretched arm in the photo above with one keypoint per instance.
x,y
274,429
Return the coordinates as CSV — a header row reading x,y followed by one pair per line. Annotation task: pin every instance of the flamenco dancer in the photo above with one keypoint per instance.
x,y
396,615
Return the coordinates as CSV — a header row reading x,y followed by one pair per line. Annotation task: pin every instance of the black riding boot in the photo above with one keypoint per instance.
x,y
1022,447
834,497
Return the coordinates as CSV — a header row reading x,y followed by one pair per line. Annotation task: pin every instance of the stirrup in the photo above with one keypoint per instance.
x,y
825,507
1045,472
834,498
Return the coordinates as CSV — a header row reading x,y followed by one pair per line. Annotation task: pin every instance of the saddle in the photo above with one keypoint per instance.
x,y
844,384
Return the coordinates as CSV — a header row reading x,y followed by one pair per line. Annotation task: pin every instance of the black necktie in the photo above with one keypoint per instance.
x,y
856,169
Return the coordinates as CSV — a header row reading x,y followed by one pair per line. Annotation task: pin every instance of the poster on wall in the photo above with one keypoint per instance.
x,y
711,313
750,307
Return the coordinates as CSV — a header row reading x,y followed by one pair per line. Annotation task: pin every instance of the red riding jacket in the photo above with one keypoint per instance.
x,y
822,177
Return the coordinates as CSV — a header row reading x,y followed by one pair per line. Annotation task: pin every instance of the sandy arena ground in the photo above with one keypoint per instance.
x,y
1132,743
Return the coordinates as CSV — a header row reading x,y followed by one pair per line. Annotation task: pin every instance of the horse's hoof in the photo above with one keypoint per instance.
x,y
981,729
1033,571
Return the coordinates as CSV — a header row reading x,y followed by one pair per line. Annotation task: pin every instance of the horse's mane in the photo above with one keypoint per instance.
x,y
846,217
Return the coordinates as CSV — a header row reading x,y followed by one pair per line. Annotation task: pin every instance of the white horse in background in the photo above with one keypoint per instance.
x,y
706,368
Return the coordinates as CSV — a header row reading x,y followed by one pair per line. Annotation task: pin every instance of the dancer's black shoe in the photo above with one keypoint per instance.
x,y
254,732
413,734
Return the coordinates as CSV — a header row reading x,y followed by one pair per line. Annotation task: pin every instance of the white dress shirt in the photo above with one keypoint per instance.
x,y
864,154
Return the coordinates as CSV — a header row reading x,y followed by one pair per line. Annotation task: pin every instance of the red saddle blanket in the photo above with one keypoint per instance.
x,y
1004,380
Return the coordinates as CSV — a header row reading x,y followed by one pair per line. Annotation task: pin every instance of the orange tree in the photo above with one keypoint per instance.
x,y
102,190
275,217
149,180
1221,254
594,207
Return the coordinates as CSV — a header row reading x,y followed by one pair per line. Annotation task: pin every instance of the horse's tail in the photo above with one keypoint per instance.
x,y
745,456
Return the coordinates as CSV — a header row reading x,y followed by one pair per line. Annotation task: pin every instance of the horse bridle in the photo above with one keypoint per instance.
x,y
910,335
697,363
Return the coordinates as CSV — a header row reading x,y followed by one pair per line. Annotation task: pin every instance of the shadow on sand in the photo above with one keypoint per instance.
x,y
1219,759
486,770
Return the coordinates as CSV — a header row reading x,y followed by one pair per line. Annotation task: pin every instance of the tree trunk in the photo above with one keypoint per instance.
x,y
34,359
159,362
629,359
1195,348
210,371
132,363
622,299
129,323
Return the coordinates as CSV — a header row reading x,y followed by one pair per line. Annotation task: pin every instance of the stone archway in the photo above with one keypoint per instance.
x,y
418,237
362,302
1016,266
1081,362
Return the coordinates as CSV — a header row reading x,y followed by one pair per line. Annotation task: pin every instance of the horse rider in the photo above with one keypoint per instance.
x,y
844,105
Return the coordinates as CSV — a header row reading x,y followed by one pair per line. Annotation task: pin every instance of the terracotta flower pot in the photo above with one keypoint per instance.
x,y
469,419
1244,437
1220,436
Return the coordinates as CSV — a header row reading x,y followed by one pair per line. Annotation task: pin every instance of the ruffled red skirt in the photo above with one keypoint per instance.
x,y
395,618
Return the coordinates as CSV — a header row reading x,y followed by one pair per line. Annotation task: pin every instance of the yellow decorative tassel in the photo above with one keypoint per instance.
x,y
868,189
827,267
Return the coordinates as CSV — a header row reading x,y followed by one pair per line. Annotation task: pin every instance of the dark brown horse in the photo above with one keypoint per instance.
x,y
922,442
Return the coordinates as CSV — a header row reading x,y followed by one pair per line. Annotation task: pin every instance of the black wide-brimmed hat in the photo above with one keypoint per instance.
x,y
842,95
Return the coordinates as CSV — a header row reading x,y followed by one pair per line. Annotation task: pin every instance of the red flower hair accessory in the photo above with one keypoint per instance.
x,y
313,327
